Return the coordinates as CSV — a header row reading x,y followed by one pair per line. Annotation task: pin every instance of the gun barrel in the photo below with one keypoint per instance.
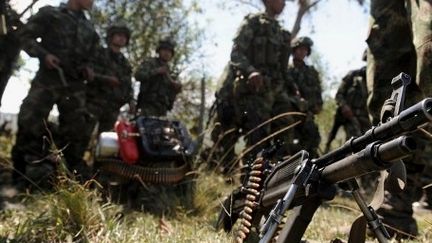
x,y
407,121
375,157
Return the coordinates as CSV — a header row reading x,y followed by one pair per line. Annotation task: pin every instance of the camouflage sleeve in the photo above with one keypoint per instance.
x,y
319,88
343,89
146,70
126,80
286,52
290,85
242,41
100,63
94,51
34,29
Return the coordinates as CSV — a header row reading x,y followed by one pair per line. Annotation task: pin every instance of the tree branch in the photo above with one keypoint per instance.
x,y
304,7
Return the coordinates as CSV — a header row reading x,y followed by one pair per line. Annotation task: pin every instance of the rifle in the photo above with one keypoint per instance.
x,y
7,14
302,183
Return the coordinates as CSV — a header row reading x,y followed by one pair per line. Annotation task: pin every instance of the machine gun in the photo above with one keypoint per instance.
x,y
302,183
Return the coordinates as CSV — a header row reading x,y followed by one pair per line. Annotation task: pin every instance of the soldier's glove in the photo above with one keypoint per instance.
x,y
347,112
255,81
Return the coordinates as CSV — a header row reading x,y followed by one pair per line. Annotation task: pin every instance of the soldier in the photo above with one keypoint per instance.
x,y
409,23
112,79
254,79
9,46
309,84
158,88
65,41
351,98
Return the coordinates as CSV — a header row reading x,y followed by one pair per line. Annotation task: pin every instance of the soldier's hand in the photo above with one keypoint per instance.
x,y
256,81
162,70
88,73
347,112
51,61
177,85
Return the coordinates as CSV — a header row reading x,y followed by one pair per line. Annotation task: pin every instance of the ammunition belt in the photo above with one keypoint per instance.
x,y
144,174
252,190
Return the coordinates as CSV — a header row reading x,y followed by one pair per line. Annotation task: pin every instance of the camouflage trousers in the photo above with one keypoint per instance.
x,y
253,109
225,134
307,136
242,116
358,126
409,22
102,114
9,52
32,142
152,108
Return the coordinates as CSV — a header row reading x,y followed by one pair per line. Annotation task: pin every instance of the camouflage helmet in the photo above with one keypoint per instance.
x,y
302,41
166,43
118,27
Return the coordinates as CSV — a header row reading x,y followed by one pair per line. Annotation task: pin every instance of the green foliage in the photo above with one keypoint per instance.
x,y
151,20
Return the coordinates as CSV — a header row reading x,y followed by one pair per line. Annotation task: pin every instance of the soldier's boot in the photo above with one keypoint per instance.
x,y
18,173
428,197
41,174
397,210
399,222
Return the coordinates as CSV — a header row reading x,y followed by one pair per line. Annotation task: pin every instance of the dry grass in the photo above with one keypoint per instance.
x,y
75,213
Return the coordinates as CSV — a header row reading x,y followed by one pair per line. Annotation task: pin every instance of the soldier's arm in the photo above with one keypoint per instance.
x,y
35,28
126,80
242,41
319,90
145,71
342,90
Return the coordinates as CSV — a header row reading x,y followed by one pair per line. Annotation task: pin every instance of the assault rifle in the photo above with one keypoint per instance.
x,y
302,183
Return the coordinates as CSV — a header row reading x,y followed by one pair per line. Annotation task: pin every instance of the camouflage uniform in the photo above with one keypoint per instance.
x,y
102,110
106,110
261,45
71,37
157,92
309,84
352,93
398,43
9,49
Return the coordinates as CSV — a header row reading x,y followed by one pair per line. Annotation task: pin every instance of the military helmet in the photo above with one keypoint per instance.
x,y
302,41
118,27
166,43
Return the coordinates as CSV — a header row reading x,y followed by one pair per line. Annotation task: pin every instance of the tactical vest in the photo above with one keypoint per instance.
x,y
270,46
